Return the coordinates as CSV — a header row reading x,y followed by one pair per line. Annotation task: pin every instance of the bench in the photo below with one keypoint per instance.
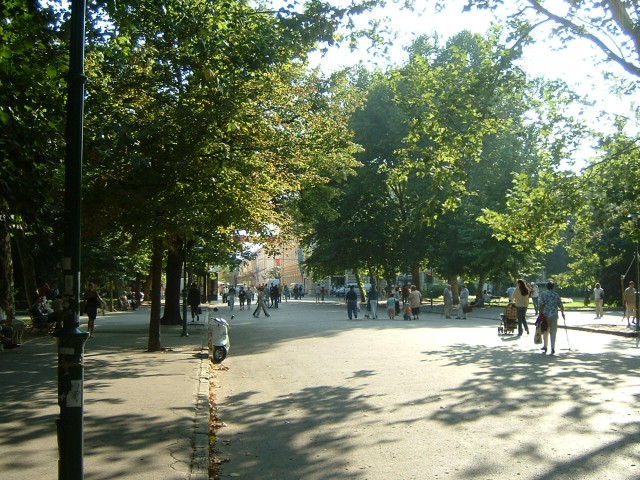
x,y
39,325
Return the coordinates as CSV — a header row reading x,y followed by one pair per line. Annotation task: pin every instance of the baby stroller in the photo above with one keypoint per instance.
x,y
508,320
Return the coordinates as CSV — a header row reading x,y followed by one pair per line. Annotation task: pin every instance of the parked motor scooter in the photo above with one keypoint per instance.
x,y
219,343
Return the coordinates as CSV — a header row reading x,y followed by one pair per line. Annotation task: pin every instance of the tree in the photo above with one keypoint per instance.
x,y
605,231
31,132
204,122
613,26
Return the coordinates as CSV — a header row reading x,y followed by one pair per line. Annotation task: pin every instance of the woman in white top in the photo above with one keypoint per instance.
x,y
521,299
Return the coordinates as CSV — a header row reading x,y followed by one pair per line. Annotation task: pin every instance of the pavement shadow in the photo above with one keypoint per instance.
x,y
512,384
304,418
118,419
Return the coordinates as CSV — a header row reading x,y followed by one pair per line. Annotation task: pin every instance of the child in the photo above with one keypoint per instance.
x,y
407,312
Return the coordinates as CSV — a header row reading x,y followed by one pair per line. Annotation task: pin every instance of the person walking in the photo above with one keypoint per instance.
x,y
231,297
549,304
397,295
242,297
391,307
352,303
598,296
629,301
373,301
415,299
260,304
521,299
274,295
447,295
193,298
251,294
92,302
535,294
464,301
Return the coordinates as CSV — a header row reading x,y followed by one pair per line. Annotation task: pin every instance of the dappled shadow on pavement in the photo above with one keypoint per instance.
x,y
305,440
563,417
128,429
580,391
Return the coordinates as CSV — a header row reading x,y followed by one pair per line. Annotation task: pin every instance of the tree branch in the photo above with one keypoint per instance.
x,y
583,33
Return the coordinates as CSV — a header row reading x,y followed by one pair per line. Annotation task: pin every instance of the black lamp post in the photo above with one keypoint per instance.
x,y
70,339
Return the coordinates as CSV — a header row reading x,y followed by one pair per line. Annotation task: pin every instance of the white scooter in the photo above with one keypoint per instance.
x,y
219,342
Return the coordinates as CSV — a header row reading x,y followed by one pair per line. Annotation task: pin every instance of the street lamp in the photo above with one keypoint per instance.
x,y
634,217
70,339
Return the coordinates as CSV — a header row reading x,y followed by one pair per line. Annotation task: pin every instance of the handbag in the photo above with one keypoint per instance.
x,y
537,337
541,323
467,308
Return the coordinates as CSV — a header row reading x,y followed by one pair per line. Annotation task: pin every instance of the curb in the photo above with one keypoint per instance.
x,y
606,332
200,442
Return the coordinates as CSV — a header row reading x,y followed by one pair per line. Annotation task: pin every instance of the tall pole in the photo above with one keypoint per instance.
x,y
70,339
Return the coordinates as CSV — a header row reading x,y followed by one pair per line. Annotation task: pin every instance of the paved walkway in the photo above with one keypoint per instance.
x,y
145,414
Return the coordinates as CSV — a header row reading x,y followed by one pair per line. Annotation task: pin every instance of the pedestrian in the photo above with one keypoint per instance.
x,y
521,299
464,301
510,291
352,303
242,296
405,294
251,295
598,296
629,301
447,295
323,292
231,297
415,299
373,301
193,298
391,307
274,295
535,293
317,292
397,295
92,302
260,304
550,303
286,293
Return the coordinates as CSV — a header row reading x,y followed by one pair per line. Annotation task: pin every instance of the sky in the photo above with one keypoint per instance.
x,y
577,64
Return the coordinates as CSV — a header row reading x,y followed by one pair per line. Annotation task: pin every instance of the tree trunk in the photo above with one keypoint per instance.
x,y
7,300
390,283
363,294
415,275
453,281
28,268
156,297
172,291
480,284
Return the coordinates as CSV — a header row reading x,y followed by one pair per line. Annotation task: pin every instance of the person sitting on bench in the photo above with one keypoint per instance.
x,y
40,313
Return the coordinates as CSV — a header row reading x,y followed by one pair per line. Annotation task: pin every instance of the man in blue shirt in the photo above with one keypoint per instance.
x,y
549,303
